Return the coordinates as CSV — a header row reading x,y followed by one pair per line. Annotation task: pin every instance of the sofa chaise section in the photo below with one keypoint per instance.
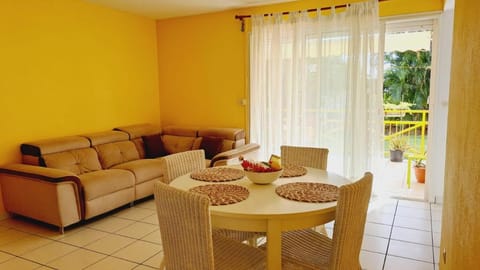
x,y
116,151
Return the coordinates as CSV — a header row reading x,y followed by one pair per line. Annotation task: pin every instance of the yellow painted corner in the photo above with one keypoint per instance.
x,y
70,67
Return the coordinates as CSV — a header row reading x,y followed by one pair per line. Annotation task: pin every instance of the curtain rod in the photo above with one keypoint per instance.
x,y
243,17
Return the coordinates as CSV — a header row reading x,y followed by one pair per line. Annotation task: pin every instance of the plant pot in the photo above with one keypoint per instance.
x,y
420,174
396,155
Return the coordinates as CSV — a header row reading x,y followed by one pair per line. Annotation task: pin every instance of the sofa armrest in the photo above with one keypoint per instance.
x,y
223,158
40,173
50,195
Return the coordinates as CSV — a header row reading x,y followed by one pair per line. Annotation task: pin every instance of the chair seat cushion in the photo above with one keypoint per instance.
x,y
143,169
100,183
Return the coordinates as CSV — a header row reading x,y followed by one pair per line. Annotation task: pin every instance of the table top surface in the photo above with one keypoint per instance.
x,y
263,202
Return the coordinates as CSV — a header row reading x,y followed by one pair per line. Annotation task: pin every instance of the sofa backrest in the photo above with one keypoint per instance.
x,y
91,152
183,138
180,139
113,147
72,153
135,133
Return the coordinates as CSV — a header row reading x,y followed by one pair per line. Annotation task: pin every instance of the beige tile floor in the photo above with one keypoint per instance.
x,y
399,234
391,180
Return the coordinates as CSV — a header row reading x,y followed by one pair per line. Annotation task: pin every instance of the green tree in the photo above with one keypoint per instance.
x,y
407,78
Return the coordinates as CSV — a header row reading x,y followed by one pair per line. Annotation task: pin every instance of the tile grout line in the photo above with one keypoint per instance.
x,y
77,246
433,244
390,236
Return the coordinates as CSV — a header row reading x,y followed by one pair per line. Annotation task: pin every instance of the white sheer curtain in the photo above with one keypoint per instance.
x,y
316,81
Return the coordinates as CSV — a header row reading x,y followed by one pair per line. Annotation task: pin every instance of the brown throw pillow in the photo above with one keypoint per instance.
x,y
153,146
212,146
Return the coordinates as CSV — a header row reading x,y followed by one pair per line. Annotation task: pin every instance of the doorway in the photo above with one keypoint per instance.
x,y
409,53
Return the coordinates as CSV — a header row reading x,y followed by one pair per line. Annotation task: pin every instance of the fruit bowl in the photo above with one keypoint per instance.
x,y
262,172
263,178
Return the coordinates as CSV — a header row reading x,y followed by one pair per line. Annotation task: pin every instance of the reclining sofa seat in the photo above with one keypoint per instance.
x,y
124,177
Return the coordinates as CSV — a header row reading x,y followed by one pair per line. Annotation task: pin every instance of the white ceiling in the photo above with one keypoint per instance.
x,y
162,9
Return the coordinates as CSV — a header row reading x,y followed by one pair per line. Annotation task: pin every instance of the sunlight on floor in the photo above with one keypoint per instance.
x,y
391,181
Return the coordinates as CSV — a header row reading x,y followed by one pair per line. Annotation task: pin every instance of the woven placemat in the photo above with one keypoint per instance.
x,y
308,192
217,174
223,194
293,171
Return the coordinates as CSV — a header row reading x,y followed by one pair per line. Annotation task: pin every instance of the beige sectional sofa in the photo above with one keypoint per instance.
x,y
66,180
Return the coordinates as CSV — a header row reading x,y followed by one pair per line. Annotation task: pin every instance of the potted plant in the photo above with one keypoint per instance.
x,y
420,168
398,145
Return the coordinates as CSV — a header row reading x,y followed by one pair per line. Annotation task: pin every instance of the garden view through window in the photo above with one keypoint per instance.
x,y
406,85
406,91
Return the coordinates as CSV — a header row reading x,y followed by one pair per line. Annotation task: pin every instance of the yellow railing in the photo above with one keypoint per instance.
x,y
415,128
413,125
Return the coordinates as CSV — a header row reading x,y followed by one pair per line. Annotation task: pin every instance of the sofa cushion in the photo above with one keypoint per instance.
x,y
196,143
100,183
212,146
111,154
154,146
143,169
78,161
140,146
175,144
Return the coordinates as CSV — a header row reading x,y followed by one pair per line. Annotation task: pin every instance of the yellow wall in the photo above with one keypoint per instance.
x,y
70,67
201,70
202,61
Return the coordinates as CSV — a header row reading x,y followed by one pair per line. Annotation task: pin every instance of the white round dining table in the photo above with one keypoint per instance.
x,y
265,211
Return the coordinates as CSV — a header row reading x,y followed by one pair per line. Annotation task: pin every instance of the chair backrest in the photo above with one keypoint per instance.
x,y
350,220
305,156
181,163
185,228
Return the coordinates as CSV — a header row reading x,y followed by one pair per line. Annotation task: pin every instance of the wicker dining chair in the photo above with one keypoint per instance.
x,y
182,163
307,249
305,156
187,239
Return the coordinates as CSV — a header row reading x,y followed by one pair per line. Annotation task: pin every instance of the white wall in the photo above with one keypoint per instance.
x,y
437,137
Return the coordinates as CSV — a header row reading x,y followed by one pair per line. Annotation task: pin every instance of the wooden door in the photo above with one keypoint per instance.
x,y
461,209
